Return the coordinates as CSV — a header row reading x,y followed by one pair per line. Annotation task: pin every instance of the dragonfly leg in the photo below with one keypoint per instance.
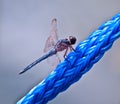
x,y
65,53
71,48
65,56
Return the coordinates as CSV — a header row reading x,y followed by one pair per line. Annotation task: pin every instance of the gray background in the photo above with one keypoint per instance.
x,y
24,27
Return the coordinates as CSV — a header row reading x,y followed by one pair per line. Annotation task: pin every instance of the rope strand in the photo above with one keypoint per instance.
x,y
77,63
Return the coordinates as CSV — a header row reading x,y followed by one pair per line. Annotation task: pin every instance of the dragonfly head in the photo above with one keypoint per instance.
x,y
72,40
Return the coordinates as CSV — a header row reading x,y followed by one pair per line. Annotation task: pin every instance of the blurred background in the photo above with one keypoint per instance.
x,y
24,28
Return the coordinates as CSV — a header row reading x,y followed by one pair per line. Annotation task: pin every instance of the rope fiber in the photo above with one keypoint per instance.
x,y
77,63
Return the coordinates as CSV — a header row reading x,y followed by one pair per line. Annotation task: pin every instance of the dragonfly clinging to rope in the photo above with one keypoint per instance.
x,y
53,45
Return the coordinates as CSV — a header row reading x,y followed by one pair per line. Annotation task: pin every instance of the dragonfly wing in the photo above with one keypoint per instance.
x,y
50,43
53,38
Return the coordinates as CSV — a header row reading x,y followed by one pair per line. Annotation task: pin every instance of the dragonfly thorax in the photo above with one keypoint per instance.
x,y
62,45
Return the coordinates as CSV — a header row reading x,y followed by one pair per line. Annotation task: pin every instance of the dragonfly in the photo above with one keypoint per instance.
x,y
53,46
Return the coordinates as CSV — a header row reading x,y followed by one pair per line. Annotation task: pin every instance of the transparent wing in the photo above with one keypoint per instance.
x,y
53,37
50,42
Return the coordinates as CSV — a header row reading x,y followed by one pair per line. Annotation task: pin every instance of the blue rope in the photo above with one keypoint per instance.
x,y
76,63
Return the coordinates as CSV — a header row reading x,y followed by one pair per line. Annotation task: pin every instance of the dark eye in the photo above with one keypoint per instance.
x,y
72,40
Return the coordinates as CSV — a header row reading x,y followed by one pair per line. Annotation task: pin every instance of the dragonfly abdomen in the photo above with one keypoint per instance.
x,y
50,53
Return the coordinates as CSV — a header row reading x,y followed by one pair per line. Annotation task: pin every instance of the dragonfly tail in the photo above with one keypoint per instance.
x,y
50,53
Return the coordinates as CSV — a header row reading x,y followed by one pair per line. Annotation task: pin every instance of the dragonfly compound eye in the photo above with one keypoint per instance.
x,y
72,40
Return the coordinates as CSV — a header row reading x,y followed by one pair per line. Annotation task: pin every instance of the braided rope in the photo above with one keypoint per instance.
x,y
76,63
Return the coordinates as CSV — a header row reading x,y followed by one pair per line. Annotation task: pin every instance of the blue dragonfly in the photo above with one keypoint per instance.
x,y
53,46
